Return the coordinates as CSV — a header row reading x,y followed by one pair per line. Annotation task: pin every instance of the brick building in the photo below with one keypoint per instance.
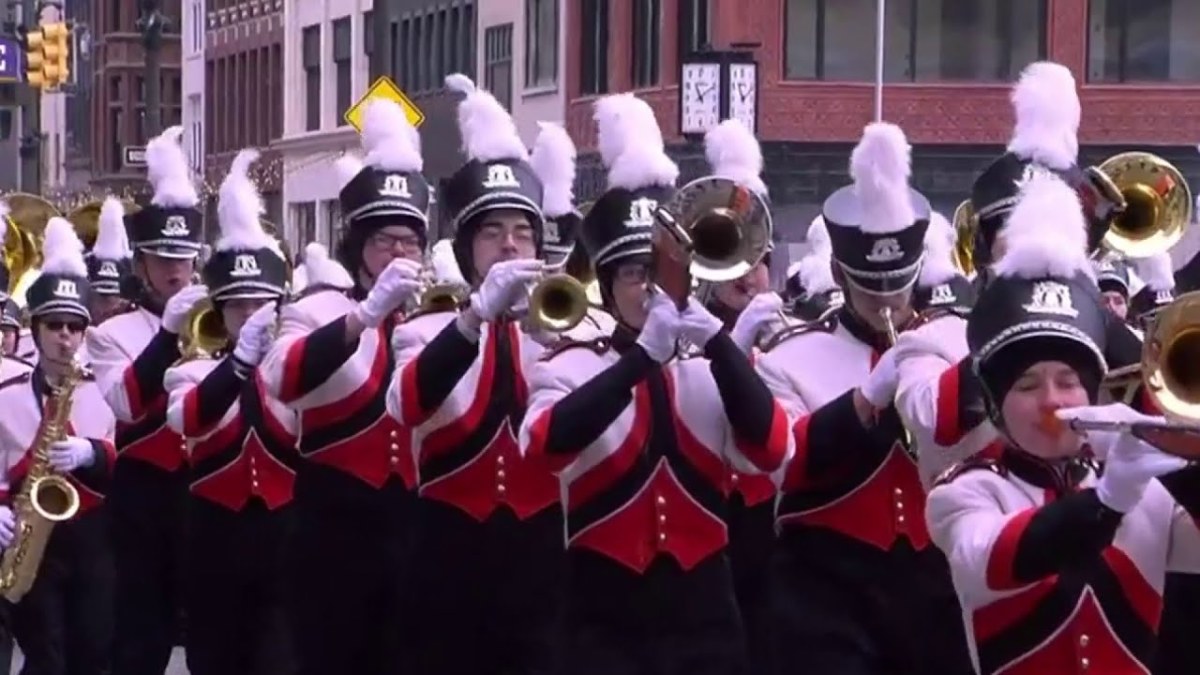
x,y
949,70
118,89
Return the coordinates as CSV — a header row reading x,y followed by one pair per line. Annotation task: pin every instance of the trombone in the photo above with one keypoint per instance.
x,y
1158,204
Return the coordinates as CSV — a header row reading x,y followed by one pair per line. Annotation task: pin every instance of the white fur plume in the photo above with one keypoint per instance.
x,y
734,153
1046,234
635,142
167,171
818,235
62,249
391,143
816,271
299,278
321,269
938,265
347,167
553,160
444,264
488,131
1156,271
880,166
794,269
1046,106
1188,247
4,211
112,240
240,209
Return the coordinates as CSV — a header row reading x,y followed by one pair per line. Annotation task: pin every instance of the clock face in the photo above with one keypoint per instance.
x,y
699,97
743,93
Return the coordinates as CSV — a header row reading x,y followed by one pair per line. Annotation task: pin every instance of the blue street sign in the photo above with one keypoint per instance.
x,y
10,60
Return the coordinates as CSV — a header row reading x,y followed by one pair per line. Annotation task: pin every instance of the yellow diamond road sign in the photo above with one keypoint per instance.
x,y
386,89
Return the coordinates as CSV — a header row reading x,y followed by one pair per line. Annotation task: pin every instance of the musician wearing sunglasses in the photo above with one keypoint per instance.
x,y
643,441
130,353
241,451
857,586
64,622
487,576
331,363
1059,567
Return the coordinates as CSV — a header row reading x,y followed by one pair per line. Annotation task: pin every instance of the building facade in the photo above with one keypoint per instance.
x,y
949,69
522,44
193,47
118,101
242,97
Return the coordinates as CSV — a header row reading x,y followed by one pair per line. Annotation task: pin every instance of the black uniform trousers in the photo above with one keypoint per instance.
x,y
149,525
347,562
64,624
842,606
237,621
751,542
1177,653
666,621
486,596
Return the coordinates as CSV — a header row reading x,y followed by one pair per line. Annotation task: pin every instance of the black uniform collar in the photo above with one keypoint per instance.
x,y
1061,476
863,331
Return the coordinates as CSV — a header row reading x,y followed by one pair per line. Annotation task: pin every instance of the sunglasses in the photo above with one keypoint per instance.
x,y
72,326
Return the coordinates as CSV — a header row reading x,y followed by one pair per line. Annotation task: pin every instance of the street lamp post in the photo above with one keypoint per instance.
x,y
153,23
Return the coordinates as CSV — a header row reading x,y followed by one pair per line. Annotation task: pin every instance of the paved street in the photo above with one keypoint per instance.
x,y
176,667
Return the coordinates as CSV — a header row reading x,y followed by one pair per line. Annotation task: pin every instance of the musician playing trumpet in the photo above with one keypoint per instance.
x,y
1059,568
110,262
64,623
241,448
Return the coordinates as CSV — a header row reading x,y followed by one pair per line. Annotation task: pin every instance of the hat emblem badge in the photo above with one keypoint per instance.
x,y
500,176
245,266
176,226
1051,297
885,250
67,288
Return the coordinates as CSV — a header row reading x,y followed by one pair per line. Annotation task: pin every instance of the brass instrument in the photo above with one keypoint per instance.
x,y
45,498
203,333
86,219
558,303
441,297
1158,204
29,213
1170,371
723,228
965,226
886,314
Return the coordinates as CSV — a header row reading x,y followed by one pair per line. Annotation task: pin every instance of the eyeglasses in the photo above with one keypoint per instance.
x,y
71,326
382,241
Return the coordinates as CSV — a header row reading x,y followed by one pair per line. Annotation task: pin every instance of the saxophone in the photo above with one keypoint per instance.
x,y
45,498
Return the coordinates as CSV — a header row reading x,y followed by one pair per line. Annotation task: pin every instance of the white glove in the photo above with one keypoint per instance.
x,y
177,308
505,284
8,526
398,282
697,324
880,387
662,328
71,453
255,335
763,309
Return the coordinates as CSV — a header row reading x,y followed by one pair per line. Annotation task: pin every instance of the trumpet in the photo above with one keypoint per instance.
x,y
885,313
558,303
441,297
203,333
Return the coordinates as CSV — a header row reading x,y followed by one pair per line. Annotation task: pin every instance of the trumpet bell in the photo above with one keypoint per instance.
x,y
441,298
725,227
1158,204
965,227
1171,359
558,303
203,333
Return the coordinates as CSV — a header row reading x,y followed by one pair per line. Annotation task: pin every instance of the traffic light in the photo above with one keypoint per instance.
x,y
48,56
35,59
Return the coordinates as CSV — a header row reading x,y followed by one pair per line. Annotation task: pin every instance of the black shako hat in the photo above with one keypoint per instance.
x,y
170,226
62,287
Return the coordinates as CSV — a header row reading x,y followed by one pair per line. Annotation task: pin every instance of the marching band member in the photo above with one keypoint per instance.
x,y
331,363
241,451
1157,292
1113,277
64,623
1059,570
816,294
643,441
857,587
130,353
109,262
10,330
488,574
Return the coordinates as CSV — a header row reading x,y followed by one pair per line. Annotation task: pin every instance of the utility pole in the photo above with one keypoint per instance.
x,y
153,23
30,99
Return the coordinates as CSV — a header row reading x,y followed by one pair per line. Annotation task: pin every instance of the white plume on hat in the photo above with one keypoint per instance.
x,y
168,173
628,132
1156,271
488,131
1045,234
553,160
938,265
347,167
880,166
734,153
390,141
814,269
62,249
444,264
112,240
1189,245
1047,109
321,269
240,209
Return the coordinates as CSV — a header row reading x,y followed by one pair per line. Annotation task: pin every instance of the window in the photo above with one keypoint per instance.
x,y
426,47
333,219
368,27
593,61
196,123
311,47
497,65
114,17
1144,41
305,217
196,37
927,40
341,62
116,120
695,31
646,35
541,43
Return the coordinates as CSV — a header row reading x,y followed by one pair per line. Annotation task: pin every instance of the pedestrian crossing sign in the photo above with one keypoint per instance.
x,y
386,89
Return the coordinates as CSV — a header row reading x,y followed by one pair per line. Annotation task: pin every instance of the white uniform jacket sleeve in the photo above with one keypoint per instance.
x,y
129,356
202,397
